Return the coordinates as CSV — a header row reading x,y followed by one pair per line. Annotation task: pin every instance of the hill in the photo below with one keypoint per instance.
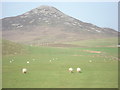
x,y
11,48
46,24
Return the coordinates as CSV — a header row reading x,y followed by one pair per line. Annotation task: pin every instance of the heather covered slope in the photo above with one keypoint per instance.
x,y
48,24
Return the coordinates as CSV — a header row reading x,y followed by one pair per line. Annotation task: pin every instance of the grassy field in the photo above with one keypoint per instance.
x,y
96,42
102,72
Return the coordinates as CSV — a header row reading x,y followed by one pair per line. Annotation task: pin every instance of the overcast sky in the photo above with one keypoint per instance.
x,y
102,14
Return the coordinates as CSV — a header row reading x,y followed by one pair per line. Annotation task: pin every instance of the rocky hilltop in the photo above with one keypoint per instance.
x,y
48,24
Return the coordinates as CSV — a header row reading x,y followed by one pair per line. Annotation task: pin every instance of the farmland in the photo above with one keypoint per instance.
x,y
102,72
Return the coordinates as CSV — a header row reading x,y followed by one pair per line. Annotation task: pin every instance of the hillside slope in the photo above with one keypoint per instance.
x,y
11,48
46,24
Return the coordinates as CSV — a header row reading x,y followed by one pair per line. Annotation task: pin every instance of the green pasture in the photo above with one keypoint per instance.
x,y
102,72
96,42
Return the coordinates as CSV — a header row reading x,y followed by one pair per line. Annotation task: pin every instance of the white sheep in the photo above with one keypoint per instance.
x,y
28,62
78,69
90,60
10,61
71,70
24,70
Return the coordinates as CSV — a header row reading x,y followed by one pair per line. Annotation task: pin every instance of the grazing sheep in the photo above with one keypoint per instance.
x,y
90,61
28,62
10,61
78,69
71,70
24,70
